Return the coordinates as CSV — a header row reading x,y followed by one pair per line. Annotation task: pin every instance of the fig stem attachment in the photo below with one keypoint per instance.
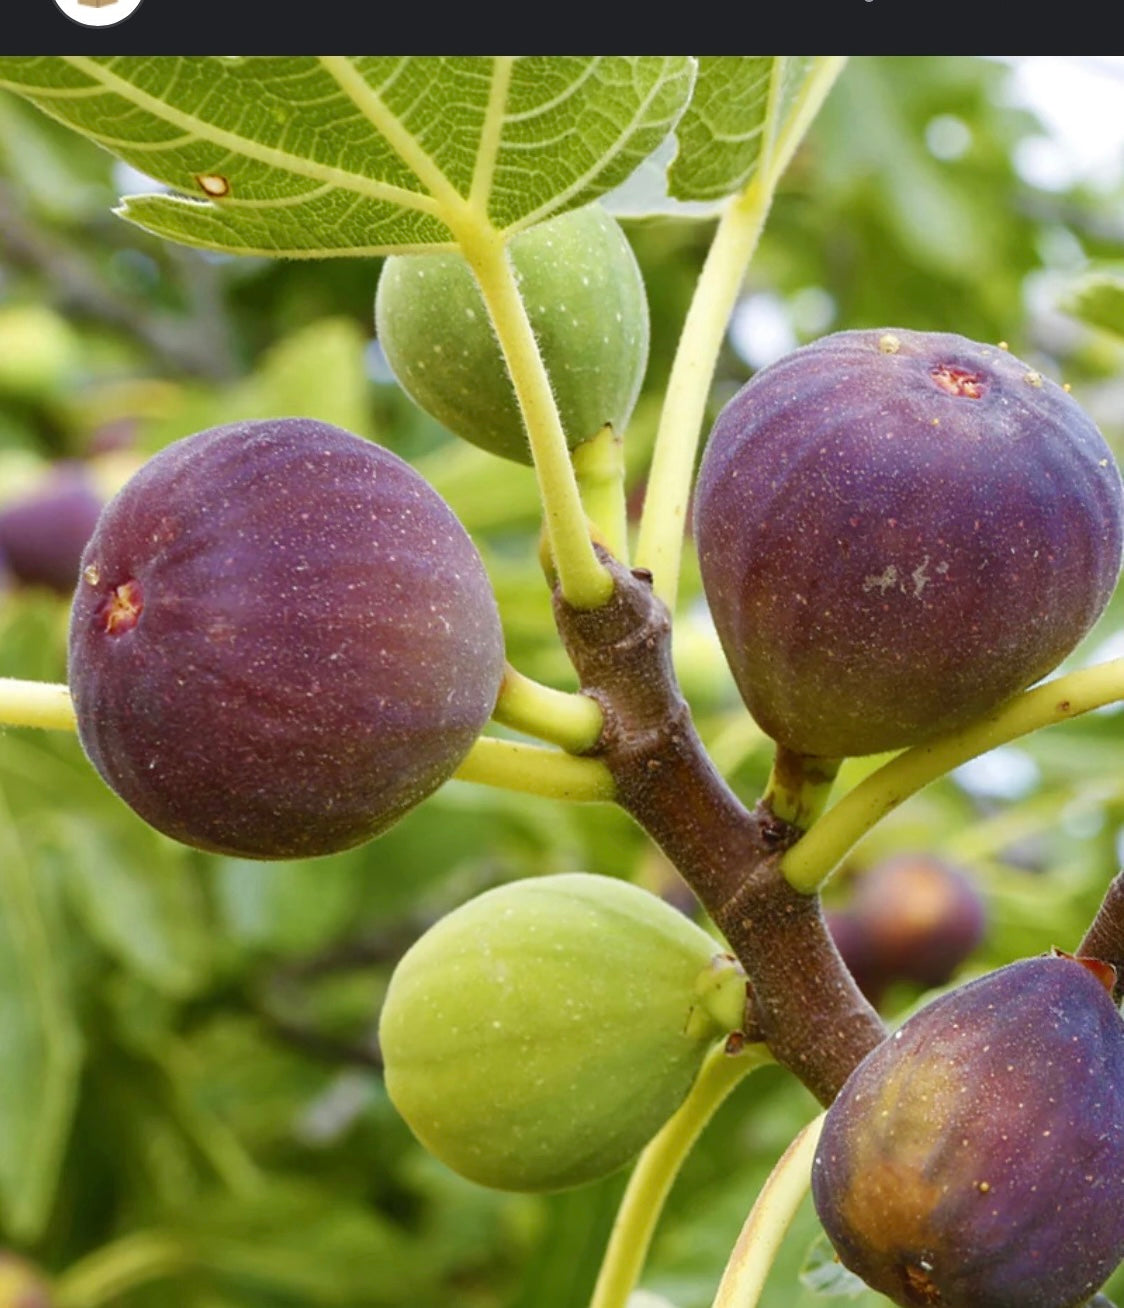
x,y
36,704
599,467
799,786
572,721
772,1213
1104,939
657,1167
664,518
535,770
582,578
810,862
114,1269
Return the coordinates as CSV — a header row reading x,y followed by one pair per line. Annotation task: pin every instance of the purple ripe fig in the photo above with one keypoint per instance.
x,y
897,531
43,532
920,918
975,1159
281,641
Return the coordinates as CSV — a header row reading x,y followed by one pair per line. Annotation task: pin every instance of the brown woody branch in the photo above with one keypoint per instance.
x,y
808,1007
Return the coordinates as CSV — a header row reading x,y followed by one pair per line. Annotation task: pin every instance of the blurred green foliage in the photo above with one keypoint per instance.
x,y
190,1101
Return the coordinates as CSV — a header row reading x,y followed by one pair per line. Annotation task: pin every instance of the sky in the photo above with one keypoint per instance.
x,y
1081,100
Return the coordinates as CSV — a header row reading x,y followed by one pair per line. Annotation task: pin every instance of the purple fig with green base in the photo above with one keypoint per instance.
x,y
281,641
975,1159
898,531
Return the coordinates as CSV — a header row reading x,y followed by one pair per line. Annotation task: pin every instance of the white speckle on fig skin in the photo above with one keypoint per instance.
x,y
319,648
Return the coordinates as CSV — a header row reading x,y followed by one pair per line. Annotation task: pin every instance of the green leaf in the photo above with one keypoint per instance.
x,y
748,114
1098,299
40,1045
146,913
826,1276
306,157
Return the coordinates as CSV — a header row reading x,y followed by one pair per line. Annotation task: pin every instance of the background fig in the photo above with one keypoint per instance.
x,y
44,531
585,298
282,640
538,1036
975,1159
897,531
912,917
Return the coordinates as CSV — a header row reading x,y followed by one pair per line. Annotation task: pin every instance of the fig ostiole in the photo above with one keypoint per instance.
x,y
281,640
897,532
975,1159
586,302
537,1037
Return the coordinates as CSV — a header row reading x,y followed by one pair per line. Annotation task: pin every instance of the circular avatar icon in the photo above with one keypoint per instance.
x,y
98,13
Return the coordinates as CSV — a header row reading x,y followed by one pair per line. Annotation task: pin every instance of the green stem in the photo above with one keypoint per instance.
x,y
599,467
582,578
572,721
799,786
761,1236
107,1273
657,1168
663,521
809,863
533,770
36,704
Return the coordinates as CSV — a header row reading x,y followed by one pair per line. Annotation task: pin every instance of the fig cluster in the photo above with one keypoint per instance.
x,y
585,298
897,531
538,1036
282,639
975,1159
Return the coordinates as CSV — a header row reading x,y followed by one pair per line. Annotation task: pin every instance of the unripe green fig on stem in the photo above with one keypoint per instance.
x,y
538,1036
585,298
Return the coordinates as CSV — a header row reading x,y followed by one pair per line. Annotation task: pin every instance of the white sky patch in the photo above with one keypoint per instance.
x,y
1080,99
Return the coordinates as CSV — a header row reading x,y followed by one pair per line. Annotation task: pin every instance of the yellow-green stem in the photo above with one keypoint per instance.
x,y
599,467
799,786
583,579
535,770
657,1168
810,862
109,1272
572,721
770,1217
663,522
36,704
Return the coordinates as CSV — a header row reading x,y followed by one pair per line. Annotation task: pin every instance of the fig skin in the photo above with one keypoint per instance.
x,y
43,532
586,302
537,1037
898,531
975,1159
282,640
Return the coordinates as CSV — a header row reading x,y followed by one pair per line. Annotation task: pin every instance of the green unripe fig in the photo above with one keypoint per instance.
x,y
538,1036
585,298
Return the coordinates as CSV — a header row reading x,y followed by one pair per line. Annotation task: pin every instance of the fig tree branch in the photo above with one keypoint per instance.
x,y
809,1009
